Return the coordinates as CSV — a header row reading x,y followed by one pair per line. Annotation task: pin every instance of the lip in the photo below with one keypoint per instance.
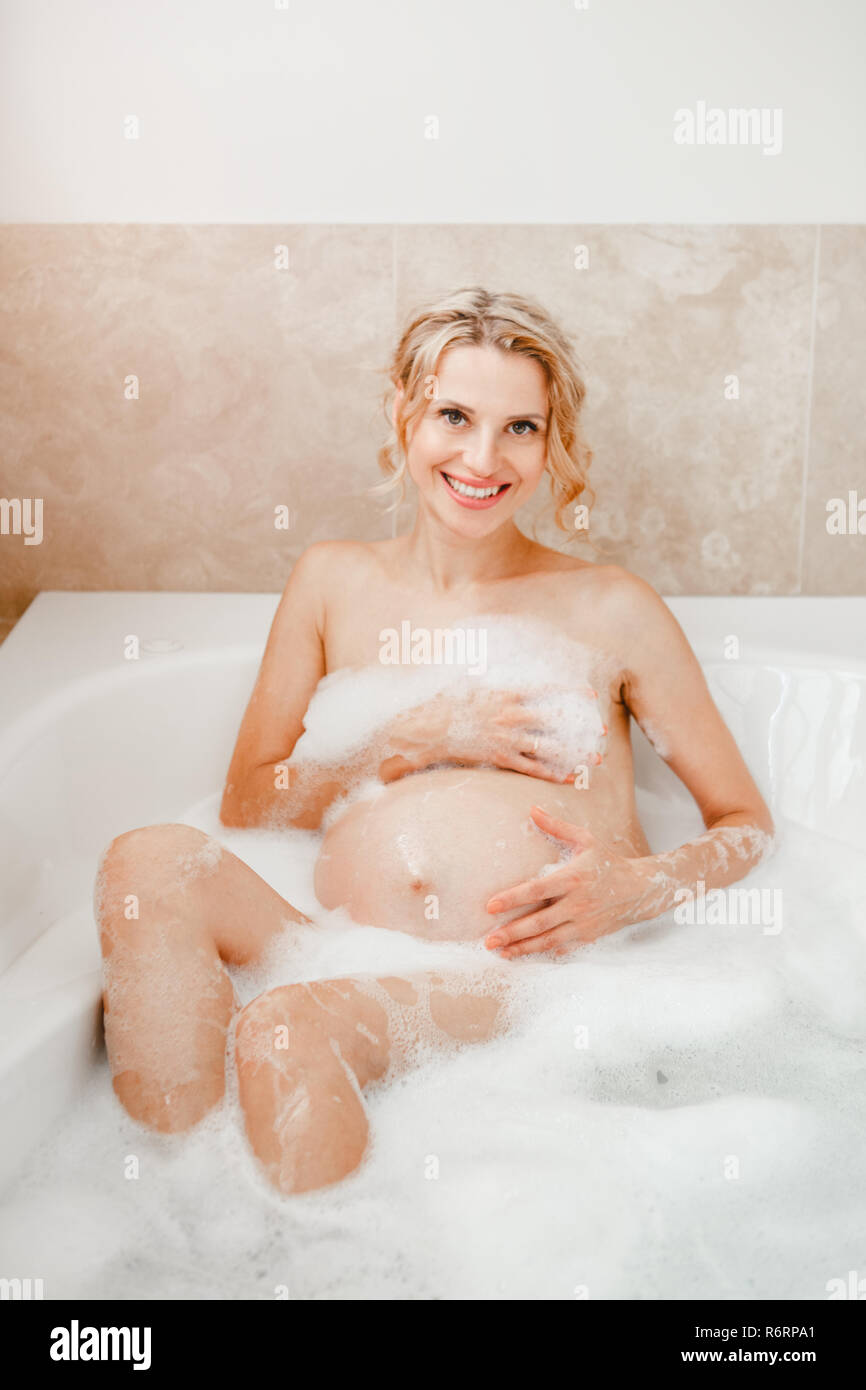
x,y
474,504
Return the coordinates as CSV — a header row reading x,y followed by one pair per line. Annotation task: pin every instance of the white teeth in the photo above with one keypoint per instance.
x,y
467,491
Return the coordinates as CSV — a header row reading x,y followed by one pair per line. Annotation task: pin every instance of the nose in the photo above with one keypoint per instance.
x,y
480,455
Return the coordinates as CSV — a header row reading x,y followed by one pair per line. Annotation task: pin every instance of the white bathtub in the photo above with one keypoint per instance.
x,y
92,744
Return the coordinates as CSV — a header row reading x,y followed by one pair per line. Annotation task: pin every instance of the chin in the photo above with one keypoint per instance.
x,y
475,523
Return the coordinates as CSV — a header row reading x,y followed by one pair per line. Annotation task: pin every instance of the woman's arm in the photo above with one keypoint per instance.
x,y
261,789
599,889
667,693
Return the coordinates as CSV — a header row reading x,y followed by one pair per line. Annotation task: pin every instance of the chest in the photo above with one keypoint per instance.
x,y
521,630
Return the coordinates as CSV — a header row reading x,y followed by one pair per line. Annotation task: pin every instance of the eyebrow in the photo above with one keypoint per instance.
x,y
467,410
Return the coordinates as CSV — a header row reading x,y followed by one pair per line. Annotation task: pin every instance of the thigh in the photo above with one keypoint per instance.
x,y
161,875
449,1006
306,1051
376,1024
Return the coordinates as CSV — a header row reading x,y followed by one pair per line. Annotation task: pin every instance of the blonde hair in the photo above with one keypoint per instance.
x,y
476,316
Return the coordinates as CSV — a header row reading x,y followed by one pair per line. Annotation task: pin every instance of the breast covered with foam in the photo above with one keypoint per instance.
x,y
552,674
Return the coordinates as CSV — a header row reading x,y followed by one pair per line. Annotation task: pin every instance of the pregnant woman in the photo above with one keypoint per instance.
x,y
476,830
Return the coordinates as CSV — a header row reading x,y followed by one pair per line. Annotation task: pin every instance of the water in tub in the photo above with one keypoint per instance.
x,y
676,1111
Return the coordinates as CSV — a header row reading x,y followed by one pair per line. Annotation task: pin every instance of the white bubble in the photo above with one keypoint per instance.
x,y
558,1166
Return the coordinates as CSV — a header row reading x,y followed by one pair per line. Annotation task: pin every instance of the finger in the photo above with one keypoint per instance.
x,y
528,893
533,924
542,749
551,940
510,715
521,763
562,829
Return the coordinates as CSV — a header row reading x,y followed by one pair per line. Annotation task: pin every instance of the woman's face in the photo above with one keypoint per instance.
x,y
479,450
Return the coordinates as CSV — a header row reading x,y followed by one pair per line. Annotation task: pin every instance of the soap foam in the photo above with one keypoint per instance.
x,y
656,738
674,1111
531,658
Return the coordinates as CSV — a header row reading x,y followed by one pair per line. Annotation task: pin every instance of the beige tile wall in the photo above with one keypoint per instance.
x,y
260,386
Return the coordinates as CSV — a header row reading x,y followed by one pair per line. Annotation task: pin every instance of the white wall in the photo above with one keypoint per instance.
x,y
316,112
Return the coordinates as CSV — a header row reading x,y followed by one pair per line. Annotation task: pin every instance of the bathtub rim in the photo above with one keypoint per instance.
x,y
45,649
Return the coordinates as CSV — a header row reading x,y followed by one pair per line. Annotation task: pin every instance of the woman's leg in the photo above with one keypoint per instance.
x,y
171,905
305,1052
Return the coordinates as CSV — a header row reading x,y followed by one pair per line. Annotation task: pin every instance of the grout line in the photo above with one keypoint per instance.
x,y
810,386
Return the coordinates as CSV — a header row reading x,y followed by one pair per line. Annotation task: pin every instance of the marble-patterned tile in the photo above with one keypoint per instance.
x,y
257,387
261,387
834,559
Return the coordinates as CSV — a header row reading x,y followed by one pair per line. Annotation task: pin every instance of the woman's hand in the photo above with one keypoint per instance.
x,y
596,891
416,739
496,727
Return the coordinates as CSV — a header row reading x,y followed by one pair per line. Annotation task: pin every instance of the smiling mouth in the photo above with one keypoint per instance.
x,y
467,494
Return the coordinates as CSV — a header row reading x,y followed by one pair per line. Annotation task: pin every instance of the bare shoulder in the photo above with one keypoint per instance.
x,y
620,591
626,600
604,580
649,640
639,626
320,571
328,564
629,601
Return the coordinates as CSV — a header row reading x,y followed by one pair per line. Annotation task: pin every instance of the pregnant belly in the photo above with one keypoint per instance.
x,y
428,852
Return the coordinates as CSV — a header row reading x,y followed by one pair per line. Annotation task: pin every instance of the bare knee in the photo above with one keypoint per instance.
x,y
158,849
156,864
169,1111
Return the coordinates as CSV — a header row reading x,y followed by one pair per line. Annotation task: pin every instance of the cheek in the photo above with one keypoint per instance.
x,y
531,466
425,451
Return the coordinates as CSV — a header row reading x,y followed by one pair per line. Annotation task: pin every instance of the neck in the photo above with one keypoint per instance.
x,y
451,563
